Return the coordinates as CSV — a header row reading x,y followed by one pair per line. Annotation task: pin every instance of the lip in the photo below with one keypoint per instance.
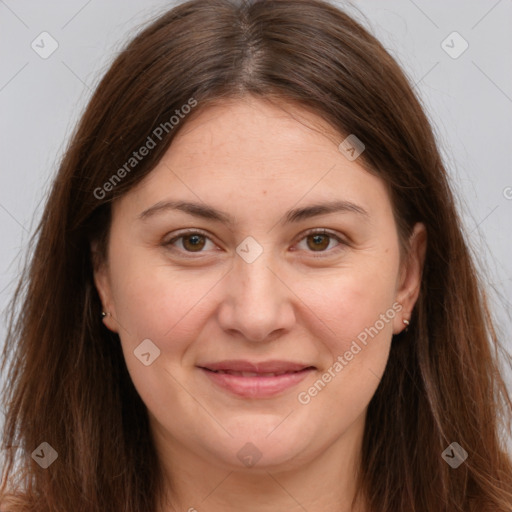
x,y
258,386
273,366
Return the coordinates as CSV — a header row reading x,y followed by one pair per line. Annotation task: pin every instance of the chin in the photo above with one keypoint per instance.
x,y
256,449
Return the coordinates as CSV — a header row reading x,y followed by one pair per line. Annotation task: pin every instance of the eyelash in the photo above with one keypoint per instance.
x,y
324,232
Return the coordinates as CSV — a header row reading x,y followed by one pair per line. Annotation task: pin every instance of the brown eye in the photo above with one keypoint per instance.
x,y
193,243
318,242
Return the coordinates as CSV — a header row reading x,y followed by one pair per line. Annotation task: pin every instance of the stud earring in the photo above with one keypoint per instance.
x,y
103,314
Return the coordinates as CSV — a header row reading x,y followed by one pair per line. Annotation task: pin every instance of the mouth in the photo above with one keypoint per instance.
x,y
252,374
253,380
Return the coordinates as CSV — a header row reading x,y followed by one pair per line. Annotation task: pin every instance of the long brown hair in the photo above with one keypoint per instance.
x,y
67,383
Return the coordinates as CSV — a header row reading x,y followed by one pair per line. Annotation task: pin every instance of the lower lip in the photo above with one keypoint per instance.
x,y
257,387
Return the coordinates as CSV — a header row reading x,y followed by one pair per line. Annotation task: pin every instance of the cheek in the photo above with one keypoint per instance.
x,y
350,301
166,306
354,322
353,316
155,301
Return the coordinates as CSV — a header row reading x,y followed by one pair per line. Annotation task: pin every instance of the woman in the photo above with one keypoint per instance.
x,y
250,289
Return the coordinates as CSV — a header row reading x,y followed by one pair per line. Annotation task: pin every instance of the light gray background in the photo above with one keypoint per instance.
x,y
469,100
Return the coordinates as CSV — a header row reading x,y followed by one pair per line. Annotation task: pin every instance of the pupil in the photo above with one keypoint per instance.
x,y
318,239
193,242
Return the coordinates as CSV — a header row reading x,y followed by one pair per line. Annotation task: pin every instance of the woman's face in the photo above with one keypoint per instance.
x,y
257,286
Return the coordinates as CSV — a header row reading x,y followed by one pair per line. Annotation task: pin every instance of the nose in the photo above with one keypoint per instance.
x,y
257,303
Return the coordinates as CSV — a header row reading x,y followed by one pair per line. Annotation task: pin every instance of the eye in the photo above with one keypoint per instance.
x,y
191,241
194,241
319,240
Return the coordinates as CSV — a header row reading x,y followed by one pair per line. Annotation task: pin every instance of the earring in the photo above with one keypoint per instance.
x,y
406,323
103,314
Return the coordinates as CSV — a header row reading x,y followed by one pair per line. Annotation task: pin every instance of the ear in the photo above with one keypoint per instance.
x,y
101,278
409,282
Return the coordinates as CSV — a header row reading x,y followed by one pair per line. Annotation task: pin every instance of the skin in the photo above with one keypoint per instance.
x,y
255,161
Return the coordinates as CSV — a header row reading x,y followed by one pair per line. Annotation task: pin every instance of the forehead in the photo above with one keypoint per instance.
x,y
233,153
254,130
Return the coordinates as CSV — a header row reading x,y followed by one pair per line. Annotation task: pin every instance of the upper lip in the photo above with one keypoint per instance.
x,y
274,366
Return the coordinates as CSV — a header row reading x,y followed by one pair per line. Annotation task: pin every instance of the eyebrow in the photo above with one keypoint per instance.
x,y
295,215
